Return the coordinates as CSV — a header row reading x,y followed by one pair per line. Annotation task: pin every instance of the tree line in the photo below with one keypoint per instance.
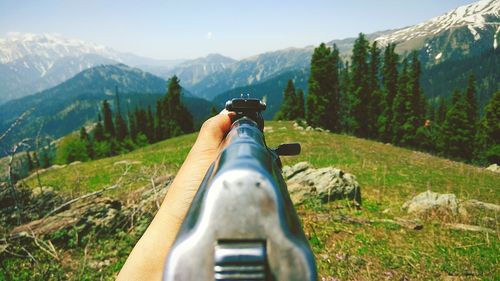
x,y
378,95
115,133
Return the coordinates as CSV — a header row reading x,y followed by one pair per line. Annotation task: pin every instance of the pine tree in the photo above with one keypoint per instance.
x,y
160,122
454,138
288,105
401,108
323,94
488,135
132,125
345,100
109,127
408,108
375,104
360,87
300,106
470,99
390,86
441,111
99,129
178,119
121,126
150,126
89,148
417,98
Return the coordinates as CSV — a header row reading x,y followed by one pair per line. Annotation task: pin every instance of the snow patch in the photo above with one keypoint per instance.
x,y
474,32
495,38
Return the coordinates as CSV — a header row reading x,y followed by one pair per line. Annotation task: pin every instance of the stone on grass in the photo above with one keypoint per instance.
x,y
494,168
327,183
430,202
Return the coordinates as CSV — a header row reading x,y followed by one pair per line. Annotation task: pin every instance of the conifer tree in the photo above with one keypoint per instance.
x,y
401,107
488,135
149,129
375,104
132,125
99,129
300,106
390,88
441,111
323,94
160,122
345,107
470,99
288,105
360,87
454,138
417,99
179,119
121,126
84,137
109,127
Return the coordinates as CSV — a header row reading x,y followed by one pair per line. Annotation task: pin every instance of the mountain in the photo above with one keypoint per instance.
x,y
442,79
33,62
74,103
467,30
270,91
252,71
192,72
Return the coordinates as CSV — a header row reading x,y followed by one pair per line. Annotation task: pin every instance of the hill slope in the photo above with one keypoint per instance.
x,y
347,250
72,104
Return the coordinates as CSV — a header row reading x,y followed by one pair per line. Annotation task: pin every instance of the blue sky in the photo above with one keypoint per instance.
x,y
189,29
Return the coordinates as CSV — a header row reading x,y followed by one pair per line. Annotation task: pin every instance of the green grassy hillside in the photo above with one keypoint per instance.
x,y
348,250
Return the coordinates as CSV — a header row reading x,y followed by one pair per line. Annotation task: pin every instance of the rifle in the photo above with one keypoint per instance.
x,y
242,224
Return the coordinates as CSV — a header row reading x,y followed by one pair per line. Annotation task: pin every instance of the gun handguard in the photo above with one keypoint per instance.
x,y
242,224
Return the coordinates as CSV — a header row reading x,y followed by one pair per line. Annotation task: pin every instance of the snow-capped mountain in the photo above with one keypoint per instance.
x,y
466,30
33,62
48,46
477,15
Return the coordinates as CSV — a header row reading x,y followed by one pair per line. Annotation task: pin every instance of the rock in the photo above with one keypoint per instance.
x,y
430,202
494,168
309,128
74,163
325,183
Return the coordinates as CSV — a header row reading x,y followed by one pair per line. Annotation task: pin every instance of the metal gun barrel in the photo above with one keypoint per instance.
x,y
242,224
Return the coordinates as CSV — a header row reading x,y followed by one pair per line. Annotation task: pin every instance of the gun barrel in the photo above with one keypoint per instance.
x,y
242,224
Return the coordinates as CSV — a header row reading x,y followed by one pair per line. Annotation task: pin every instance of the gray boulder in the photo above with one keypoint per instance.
x,y
494,168
430,202
325,183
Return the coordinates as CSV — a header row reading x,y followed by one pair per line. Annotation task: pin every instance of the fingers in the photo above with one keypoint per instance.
x,y
215,129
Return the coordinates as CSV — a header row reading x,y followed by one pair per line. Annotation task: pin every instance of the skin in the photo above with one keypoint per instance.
x,y
147,259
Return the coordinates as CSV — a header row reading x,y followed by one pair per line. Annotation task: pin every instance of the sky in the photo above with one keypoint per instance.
x,y
186,29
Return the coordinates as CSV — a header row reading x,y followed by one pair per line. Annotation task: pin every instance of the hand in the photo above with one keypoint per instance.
x,y
147,259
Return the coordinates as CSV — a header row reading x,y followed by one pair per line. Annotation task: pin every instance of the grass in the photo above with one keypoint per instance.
x,y
388,176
